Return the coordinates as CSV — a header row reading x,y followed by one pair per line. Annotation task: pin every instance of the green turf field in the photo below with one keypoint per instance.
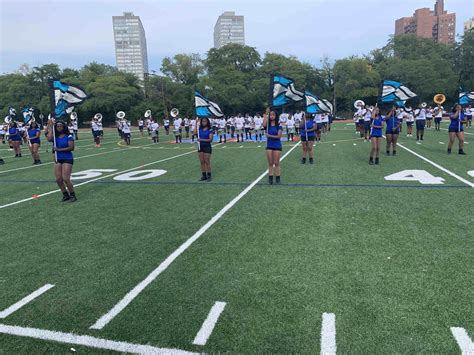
x,y
391,261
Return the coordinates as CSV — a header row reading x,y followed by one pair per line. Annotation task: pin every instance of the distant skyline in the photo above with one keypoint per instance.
x,y
308,29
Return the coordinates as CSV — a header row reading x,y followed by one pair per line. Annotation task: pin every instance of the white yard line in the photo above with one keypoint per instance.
x,y
92,180
209,324
15,307
80,157
464,341
437,166
131,295
328,334
86,340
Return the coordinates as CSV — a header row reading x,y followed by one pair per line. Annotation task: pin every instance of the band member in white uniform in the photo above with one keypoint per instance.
x,y
192,123
126,130
177,130
186,126
166,124
290,128
96,132
154,126
420,118
247,127
318,121
429,117
283,119
258,122
141,124
239,127
221,129
410,120
367,123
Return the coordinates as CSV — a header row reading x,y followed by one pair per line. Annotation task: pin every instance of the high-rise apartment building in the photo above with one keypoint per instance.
x,y
130,44
229,28
436,24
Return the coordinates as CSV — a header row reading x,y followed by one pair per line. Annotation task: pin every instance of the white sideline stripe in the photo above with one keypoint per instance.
x,y
328,334
464,341
86,340
81,157
130,296
438,166
15,307
92,180
209,324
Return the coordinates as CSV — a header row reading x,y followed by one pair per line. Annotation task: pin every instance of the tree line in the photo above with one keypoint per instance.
x,y
237,78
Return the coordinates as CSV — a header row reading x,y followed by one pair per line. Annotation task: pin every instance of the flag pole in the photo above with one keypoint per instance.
x,y
52,102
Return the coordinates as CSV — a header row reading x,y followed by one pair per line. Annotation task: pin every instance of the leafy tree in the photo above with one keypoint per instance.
x,y
183,68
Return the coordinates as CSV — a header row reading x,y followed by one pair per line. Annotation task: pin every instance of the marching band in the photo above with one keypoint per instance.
x,y
370,123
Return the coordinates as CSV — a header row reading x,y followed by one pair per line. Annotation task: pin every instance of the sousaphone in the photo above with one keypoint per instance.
x,y
439,99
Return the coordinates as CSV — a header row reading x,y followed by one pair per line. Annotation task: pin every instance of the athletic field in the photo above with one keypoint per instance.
x,y
341,257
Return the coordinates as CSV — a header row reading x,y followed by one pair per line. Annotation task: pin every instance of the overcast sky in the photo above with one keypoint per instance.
x,y
74,33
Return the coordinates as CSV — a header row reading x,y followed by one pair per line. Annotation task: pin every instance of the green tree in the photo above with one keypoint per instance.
x,y
183,68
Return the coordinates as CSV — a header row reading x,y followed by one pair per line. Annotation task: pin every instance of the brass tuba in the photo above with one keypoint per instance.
x,y
359,104
174,112
120,115
439,99
73,116
98,117
147,113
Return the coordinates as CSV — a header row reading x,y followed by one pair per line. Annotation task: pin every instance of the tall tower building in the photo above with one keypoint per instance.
x,y
437,24
130,44
229,28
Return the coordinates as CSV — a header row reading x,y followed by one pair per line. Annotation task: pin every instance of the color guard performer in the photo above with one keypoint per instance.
x,y
34,133
456,128
376,135
392,130
274,147
14,138
205,136
63,146
307,136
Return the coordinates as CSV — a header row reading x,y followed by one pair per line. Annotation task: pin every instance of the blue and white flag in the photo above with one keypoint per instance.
x,y
316,105
205,107
466,98
393,91
65,97
284,91
28,113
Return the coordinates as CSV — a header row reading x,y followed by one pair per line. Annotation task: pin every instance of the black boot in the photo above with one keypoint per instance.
x,y
270,179
376,161
72,197
303,160
204,176
65,196
461,151
371,161
2,161
277,180
449,151
394,152
311,160
209,177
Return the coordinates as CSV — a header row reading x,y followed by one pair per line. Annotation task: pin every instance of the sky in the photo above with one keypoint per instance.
x,y
73,33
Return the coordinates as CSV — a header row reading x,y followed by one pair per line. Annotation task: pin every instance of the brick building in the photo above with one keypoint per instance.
x,y
437,24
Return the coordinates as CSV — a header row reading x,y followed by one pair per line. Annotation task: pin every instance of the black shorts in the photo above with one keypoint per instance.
x,y
140,128
126,135
438,119
429,118
420,124
271,148
456,130
96,133
205,149
367,126
393,131
65,161
310,139
409,124
469,118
